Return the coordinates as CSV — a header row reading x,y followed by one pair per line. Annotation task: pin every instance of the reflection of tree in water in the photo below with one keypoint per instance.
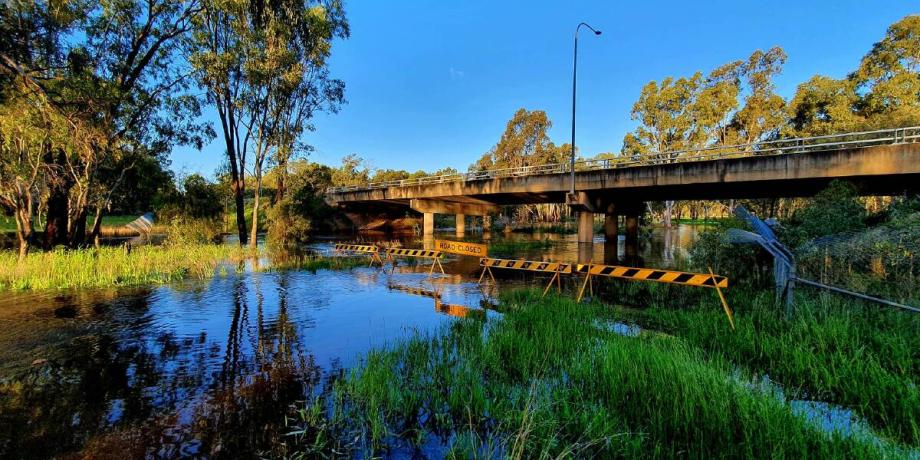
x,y
117,396
56,406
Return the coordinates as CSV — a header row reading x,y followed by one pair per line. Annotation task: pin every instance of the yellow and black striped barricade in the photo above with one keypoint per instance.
x,y
436,256
653,274
374,251
556,268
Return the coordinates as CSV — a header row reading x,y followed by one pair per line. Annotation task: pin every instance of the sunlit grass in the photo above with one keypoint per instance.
x,y
112,266
861,356
545,381
314,263
512,247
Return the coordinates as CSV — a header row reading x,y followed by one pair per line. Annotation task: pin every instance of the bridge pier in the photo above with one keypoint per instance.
x,y
585,226
632,228
460,225
611,224
428,224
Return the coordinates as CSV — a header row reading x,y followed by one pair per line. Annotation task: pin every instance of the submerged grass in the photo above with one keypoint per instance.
x,y
545,381
506,247
314,263
111,266
864,357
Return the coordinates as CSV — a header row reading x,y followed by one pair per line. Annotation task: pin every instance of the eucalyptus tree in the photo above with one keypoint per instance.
x,y
764,112
883,92
264,67
24,136
289,82
525,142
140,96
888,77
664,111
36,58
824,105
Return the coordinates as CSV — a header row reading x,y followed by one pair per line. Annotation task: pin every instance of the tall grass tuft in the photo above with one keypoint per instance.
x,y
111,266
862,356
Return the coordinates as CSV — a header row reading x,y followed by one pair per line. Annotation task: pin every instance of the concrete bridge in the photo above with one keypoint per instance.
x,y
885,162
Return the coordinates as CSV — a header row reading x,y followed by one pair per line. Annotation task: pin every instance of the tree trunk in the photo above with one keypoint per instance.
x,y
97,225
78,227
57,204
254,233
24,230
237,188
257,172
282,176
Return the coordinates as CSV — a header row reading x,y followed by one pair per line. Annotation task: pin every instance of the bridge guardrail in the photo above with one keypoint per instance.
x,y
765,148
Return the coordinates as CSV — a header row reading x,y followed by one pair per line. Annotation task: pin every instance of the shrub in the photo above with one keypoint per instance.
x,y
184,230
834,210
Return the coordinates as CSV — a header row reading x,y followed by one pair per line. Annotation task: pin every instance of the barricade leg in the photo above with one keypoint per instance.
x,y
581,292
551,281
728,311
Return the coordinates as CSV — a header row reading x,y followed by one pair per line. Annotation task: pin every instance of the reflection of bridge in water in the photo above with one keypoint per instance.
x,y
459,311
878,162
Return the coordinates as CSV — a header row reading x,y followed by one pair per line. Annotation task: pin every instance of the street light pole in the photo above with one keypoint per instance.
x,y
574,81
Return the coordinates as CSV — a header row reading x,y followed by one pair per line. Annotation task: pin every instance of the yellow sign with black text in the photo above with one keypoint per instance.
x,y
461,248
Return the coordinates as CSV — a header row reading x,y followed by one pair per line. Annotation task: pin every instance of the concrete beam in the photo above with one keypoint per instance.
x,y
581,201
452,207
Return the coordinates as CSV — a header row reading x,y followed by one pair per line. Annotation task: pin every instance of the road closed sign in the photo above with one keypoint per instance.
x,y
462,248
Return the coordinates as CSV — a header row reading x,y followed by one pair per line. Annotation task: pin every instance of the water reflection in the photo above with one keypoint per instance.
x,y
197,367
210,367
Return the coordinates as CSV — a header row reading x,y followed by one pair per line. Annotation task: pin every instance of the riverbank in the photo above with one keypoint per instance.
x,y
112,266
553,377
863,357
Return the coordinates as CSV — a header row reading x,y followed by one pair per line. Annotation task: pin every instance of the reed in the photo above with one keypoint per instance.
x,y
112,266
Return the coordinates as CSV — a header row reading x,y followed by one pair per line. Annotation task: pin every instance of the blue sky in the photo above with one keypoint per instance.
x,y
432,83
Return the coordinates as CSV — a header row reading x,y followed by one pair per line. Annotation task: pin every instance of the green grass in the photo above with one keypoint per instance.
x,y
710,221
545,381
314,263
862,356
110,266
8,224
561,228
512,247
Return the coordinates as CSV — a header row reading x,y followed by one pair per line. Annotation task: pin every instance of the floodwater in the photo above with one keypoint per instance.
x,y
210,367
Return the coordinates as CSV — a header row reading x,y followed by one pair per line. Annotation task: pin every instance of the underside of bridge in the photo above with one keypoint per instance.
x,y
878,170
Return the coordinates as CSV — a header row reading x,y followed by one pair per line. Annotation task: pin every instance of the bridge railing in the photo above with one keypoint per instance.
x,y
757,149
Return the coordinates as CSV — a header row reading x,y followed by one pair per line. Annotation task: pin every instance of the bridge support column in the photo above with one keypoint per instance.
x,y
611,225
632,228
585,226
461,225
428,224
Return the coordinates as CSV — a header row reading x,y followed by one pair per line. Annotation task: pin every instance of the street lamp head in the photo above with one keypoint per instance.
x,y
597,32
